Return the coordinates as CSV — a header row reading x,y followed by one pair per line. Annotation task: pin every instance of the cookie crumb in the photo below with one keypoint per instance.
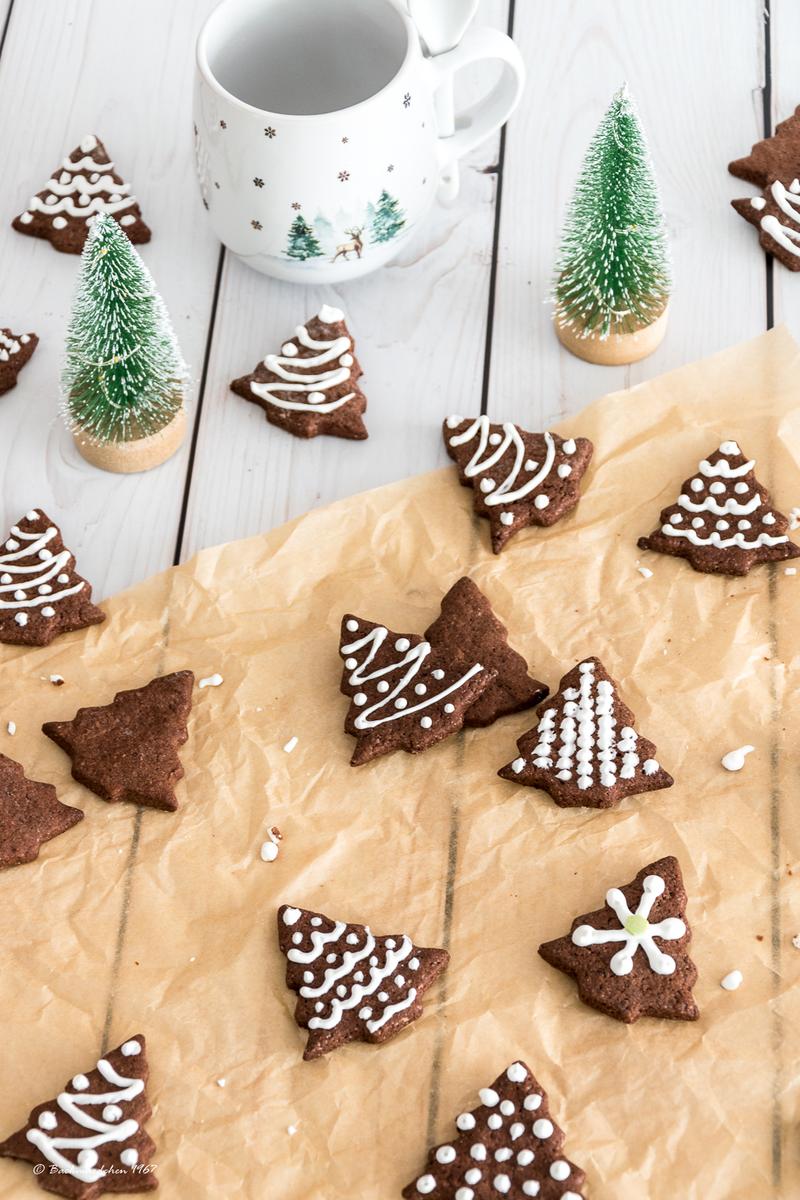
x,y
57,680
11,727
732,981
645,572
211,681
734,759
290,745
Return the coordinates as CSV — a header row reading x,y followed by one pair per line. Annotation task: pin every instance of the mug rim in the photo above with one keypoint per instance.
x,y
204,67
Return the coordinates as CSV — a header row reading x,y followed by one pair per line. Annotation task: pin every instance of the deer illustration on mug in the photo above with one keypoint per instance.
x,y
354,246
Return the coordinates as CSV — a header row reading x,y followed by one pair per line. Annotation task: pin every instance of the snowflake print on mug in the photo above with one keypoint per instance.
x,y
296,205
256,225
407,100
223,124
259,183
269,132
344,176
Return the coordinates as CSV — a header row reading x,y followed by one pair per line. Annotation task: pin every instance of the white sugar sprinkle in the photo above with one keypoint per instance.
x,y
11,727
269,852
57,679
290,745
796,941
790,571
645,572
291,1130
794,518
221,1082
211,681
732,981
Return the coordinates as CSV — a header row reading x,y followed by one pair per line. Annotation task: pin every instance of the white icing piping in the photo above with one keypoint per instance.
x,y
72,1104
318,941
731,506
63,189
716,539
311,385
478,464
636,930
43,571
788,203
413,659
724,470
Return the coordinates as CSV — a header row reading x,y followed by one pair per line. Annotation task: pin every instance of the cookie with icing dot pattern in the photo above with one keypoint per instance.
x,y
723,521
404,695
584,750
85,183
41,593
90,1139
509,1146
630,958
15,351
30,814
311,387
352,984
518,478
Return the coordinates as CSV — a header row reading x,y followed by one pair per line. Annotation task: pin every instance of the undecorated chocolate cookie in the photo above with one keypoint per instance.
x,y
30,814
630,959
403,695
518,478
584,751
352,984
15,351
508,1146
128,749
468,631
84,184
311,387
41,593
90,1138
775,157
723,521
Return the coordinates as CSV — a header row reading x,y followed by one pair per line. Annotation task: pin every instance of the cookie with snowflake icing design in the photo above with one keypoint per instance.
x,y
84,184
518,478
311,387
41,593
630,959
403,694
30,814
723,521
15,351
776,216
90,1139
128,749
468,631
508,1146
352,985
584,750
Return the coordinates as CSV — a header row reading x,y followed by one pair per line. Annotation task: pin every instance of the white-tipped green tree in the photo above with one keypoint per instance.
x,y
124,377
613,270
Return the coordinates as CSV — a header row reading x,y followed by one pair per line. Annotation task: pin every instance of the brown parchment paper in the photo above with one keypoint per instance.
x,y
144,921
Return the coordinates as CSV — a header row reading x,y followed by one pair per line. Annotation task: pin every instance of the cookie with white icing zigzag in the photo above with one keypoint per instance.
x,y
630,959
776,216
311,387
584,750
723,521
90,1138
15,350
41,593
352,985
509,1146
404,694
518,478
84,183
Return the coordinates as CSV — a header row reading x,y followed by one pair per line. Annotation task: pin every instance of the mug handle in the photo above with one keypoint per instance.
x,y
462,133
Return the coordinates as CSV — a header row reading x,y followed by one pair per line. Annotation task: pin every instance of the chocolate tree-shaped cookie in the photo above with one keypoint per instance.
x,y
508,1146
630,959
311,387
41,593
776,215
84,184
30,814
90,1139
15,350
775,157
584,751
128,749
723,521
403,694
352,985
468,631
518,478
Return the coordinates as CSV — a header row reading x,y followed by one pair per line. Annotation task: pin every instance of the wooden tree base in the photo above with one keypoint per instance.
x,y
618,348
126,458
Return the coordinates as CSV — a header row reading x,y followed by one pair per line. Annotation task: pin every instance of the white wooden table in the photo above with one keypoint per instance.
x,y
459,323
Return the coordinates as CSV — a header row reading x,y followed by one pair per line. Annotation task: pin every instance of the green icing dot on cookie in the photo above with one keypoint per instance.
x,y
636,924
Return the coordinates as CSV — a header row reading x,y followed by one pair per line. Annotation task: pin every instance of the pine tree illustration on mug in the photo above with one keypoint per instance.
x,y
124,379
613,274
388,220
303,243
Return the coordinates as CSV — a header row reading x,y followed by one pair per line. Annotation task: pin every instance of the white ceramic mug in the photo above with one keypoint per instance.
x,y
315,130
